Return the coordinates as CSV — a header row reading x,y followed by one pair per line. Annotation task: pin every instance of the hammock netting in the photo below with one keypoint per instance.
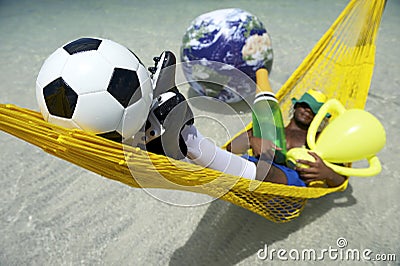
x,y
341,65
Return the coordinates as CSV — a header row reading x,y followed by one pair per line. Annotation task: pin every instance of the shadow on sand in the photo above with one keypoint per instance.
x,y
228,234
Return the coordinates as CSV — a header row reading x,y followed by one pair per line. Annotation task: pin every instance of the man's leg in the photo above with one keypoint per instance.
x,y
204,152
270,173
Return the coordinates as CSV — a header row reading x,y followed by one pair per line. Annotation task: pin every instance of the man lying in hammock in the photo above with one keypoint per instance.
x,y
304,110
172,117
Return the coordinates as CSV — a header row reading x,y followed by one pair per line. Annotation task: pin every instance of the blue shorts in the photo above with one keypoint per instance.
x,y
293,178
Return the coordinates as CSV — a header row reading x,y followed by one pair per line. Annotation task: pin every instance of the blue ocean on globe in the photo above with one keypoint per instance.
x,y
221,51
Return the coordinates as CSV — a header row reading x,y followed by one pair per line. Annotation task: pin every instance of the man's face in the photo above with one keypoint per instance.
x,y
303,115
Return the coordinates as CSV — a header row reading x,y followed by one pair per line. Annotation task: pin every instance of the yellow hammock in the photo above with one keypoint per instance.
x,y
341,64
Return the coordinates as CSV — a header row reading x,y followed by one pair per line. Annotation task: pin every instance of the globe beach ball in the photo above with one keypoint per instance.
x,y
221,51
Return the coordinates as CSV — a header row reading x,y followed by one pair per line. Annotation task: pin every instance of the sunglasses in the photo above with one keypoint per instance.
x,y
302,105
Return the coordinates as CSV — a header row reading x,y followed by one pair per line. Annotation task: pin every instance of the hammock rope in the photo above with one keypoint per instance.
x,y
340,65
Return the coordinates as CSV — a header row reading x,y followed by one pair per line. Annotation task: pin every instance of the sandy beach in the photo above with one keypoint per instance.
x,y
55,213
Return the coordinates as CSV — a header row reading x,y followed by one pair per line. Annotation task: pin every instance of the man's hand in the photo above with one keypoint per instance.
x,y
263,148
318,170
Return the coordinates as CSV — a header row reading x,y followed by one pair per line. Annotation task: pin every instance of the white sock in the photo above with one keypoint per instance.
x,y
204,152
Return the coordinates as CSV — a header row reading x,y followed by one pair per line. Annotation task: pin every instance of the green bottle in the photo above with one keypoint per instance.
x,y
267,116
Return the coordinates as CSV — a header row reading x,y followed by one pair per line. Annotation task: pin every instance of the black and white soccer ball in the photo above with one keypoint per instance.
x,y
96,85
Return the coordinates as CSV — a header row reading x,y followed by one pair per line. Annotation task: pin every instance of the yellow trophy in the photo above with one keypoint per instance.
x,y
353,135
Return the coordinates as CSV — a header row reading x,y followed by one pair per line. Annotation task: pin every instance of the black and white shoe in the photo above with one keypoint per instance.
x,y
169,113
163,73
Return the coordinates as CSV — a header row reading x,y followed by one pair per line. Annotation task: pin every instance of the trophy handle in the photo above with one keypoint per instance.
x,y
373,169
330,106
